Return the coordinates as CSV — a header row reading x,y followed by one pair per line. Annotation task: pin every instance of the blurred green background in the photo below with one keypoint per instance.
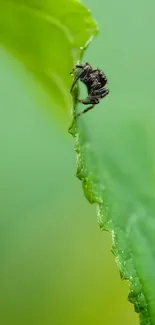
x,y
56,265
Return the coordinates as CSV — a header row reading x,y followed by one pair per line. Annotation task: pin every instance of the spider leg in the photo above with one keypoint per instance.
x,y
93,101
84,70
85,110
99,93
77,66
78,76
80,66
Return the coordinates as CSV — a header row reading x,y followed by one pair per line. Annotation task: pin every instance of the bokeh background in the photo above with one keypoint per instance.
x,y
55,264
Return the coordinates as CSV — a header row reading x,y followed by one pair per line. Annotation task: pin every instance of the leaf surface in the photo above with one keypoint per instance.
x,y
48,37
116,159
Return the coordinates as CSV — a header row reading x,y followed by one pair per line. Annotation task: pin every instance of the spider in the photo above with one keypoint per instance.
x,y
95,80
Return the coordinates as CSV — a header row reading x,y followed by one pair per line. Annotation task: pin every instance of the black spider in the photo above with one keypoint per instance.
x,y
95,80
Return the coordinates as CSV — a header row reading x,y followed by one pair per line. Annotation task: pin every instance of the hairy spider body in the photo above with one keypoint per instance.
x,y
95,80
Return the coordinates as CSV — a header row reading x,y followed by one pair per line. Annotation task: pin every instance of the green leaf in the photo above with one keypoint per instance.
x,y
48,37
116,163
